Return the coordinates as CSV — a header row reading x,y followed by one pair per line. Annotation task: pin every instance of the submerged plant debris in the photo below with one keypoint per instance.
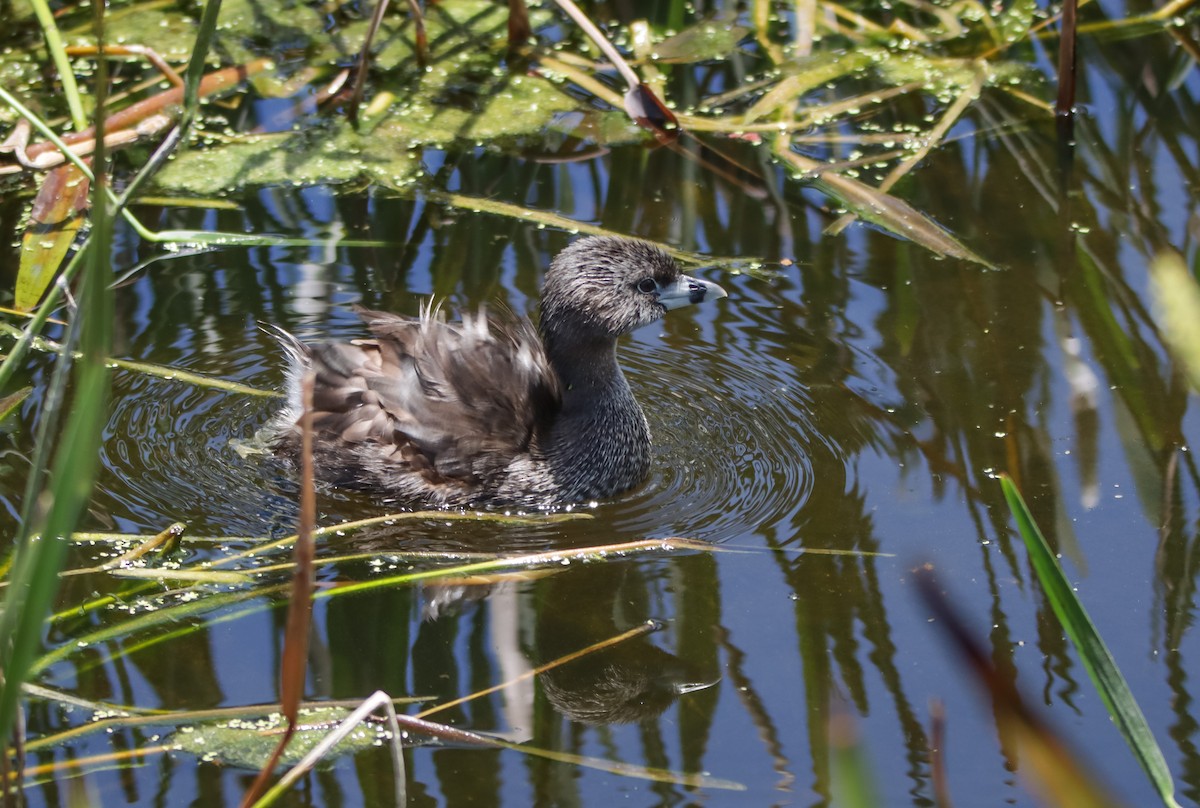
x,y
475,95
248,742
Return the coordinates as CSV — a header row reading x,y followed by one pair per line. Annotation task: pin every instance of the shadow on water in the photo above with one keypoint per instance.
x,y
839,419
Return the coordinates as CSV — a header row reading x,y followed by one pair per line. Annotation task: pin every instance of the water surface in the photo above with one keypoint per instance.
x,y
839,420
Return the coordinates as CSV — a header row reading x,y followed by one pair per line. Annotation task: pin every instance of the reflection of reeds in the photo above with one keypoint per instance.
x,y
831,119
167,622
1097,659
1047,762
1056,772
293,667
58,489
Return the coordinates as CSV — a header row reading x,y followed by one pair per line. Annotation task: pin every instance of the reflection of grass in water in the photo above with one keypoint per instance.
x,y
59,487
192,607
150,369
772,107
1097,659
198,599
1054,771
146,631
1047,764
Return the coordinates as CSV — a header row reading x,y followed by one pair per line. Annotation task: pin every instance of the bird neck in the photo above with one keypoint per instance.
x,y
586,364
600,441
595,394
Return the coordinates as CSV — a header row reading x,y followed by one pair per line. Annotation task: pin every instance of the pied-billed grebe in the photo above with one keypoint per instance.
x,y
471,414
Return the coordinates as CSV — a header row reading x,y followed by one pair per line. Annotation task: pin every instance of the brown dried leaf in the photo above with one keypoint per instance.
x,y
53,224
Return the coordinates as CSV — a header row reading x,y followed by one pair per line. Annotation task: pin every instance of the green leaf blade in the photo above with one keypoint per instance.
x,y
1093,653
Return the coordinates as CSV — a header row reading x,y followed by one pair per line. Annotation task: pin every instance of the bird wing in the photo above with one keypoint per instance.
x,y
454,403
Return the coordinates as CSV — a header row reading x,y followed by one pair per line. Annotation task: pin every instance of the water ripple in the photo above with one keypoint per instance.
x,y
734,448
168,455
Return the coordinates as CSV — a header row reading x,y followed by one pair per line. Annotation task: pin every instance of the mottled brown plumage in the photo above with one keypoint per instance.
x,y
472,414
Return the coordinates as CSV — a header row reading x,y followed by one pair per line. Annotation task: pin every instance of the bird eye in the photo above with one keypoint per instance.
x,y
647,285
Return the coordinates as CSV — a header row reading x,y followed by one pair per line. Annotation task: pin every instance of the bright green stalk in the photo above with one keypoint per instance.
x,y
1097,660
48,521
58,54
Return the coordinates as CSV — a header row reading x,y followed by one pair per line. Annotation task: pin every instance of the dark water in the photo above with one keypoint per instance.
x,y
853,394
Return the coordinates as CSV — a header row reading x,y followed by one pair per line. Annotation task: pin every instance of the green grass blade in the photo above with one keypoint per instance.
x,y
1094,654
58,54
49,519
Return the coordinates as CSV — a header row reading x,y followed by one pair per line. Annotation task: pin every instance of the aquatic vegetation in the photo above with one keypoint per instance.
x,y
936,278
